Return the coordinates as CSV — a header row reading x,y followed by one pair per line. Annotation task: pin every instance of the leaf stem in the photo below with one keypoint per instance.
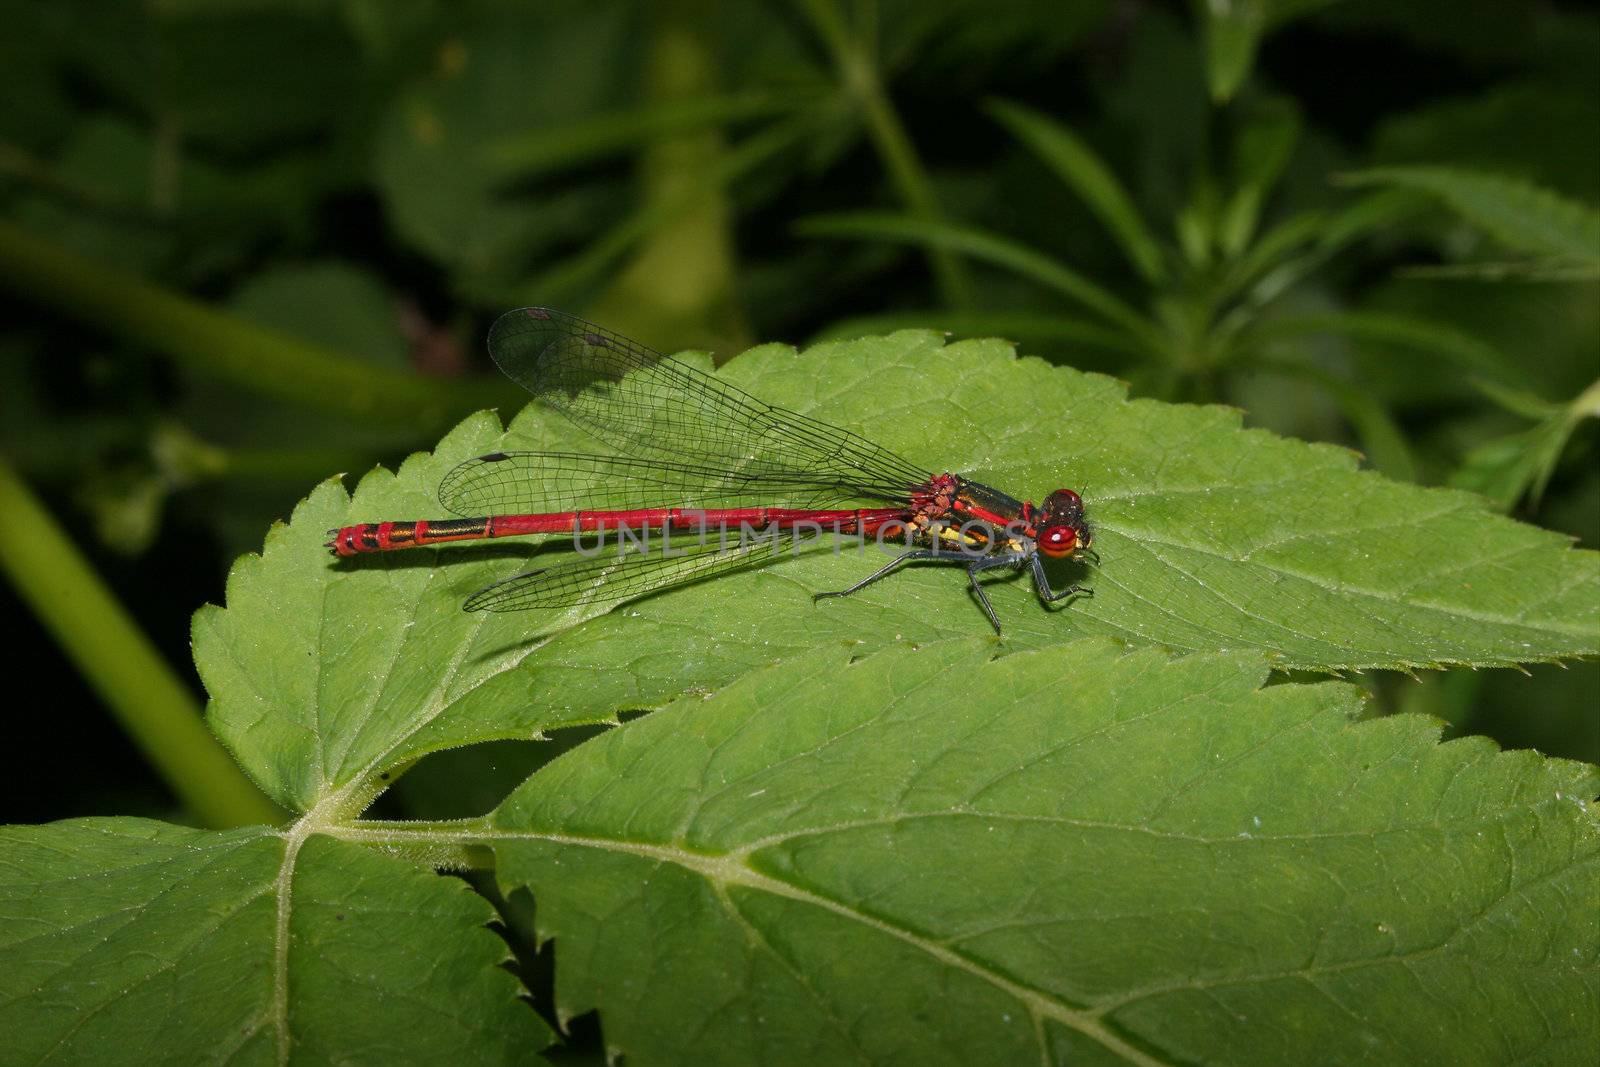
x,y
223,346
147,698
679,285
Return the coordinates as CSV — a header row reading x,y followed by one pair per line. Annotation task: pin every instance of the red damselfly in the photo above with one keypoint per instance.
x,y
696,453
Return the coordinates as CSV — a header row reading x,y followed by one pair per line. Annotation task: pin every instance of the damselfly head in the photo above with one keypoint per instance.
x,y
1062,529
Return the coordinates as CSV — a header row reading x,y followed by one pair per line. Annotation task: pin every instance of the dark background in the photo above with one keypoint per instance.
x,y
381,179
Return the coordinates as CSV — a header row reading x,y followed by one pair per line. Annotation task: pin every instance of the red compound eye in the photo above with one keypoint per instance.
x,y
1058,541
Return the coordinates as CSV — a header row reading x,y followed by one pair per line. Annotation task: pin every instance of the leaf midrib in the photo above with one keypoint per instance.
x,y
731,869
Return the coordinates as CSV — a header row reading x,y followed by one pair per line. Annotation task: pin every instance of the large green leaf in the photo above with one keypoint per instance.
x,y
128,941
326,676
1072,855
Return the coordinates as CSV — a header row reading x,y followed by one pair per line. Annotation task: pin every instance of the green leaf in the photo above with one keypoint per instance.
x,y
1233,29
1505,468
1020,324
604,251
1077,165
327,676
329,303
1262,151
430,157
527,153
128,941
1077,855
1380,436
1548,269
983,245
1537,127
1460,350
1521,216
1269,265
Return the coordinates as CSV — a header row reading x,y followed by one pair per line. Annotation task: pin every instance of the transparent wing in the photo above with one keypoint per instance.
x,y
653,407
611,577
511,483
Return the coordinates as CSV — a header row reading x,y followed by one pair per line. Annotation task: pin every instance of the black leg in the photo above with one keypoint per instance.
x,y
887,568
974,568
1048,595
1009,559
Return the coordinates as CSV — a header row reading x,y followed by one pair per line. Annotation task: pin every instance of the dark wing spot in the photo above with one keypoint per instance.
x,y
595,340
493,457
537,313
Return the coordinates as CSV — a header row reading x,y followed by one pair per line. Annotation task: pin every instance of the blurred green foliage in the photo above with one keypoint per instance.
x,y
246,245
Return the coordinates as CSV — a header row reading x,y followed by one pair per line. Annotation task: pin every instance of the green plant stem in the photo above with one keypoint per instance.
x,y
226,347
679,286
148,700
859,75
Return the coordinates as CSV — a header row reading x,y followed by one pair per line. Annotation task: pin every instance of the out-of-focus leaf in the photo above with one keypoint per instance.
x,y
1260,155
1544,333
330,303
1505,468
986,246
1259,267
1077,855
1482,33
97,197
124,941
238,77
1521,216
591,137
1209,537
1366,215
1381,437
567,277
1154,104
505,72
1077,165
1463,351
942,38
1547,133
1517,401
1232,30
1197,221
302,75
1537,270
